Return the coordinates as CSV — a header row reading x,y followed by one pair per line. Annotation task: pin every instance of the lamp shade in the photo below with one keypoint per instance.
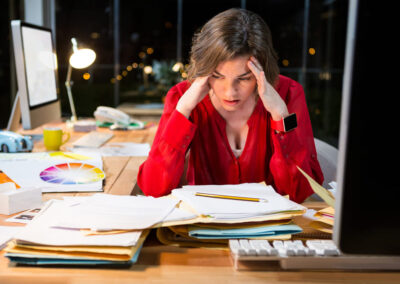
x,y
82,58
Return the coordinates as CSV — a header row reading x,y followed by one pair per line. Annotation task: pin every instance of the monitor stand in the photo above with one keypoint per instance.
x,y
14,122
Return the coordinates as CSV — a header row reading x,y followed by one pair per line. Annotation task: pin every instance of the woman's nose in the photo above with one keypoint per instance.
x,y
229,89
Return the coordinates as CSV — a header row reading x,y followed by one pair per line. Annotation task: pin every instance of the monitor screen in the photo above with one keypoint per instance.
x,y
366,208
37,100
40,65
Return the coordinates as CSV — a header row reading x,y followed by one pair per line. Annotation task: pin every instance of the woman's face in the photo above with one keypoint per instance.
x,y
233,84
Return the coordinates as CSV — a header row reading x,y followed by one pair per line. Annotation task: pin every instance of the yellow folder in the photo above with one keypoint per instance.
x,y
87,252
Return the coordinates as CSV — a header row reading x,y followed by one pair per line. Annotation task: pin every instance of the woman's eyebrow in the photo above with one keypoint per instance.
x,y
244,74
219,74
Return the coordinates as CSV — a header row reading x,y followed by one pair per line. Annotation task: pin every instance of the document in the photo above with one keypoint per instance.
x,y
24,217
119,149
54,173
250,232
236,209
7,233
40,231
319,190
75,255
104,212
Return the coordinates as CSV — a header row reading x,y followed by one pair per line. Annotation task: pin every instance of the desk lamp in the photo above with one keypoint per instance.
x,y
80,58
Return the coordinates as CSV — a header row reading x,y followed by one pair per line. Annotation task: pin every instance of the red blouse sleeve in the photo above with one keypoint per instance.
x,y
293,148
162,170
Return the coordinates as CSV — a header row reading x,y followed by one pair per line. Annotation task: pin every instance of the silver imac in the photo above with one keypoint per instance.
x,y
37,101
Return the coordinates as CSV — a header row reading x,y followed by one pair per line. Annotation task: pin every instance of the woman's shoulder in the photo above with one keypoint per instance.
x,y
286,83
179,89
286,86
175,93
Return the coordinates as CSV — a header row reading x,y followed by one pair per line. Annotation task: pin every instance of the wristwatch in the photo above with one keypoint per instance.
x,y
286,124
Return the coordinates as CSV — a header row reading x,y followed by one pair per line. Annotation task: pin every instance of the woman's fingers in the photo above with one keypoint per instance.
x,y
258,73
254,69
256,63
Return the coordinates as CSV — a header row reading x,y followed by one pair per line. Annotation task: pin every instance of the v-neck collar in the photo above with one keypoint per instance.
x,y
221,123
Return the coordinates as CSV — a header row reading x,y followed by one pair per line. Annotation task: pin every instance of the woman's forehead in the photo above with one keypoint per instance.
x,y
236,66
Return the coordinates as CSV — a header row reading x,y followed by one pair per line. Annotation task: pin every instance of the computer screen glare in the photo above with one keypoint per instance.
x,y
40,66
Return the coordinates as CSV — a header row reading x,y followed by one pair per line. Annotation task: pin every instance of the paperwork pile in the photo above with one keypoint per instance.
x,y
97,230
325,219
221,219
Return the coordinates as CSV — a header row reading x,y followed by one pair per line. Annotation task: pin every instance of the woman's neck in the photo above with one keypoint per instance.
x,y
235,117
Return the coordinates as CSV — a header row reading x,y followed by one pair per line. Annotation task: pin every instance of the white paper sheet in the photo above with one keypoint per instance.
x,y
110,212
39,231
7,233
232,209
179,215
119,149
24,217
25,169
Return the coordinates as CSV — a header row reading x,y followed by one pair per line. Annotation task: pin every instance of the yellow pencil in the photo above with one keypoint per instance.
x,y
242,198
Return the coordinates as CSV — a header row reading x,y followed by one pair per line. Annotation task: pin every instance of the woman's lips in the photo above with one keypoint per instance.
x,y
231,102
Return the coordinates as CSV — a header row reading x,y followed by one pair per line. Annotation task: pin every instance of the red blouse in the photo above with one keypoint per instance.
x,y
267,156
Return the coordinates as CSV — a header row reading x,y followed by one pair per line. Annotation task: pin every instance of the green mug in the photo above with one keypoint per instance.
x,y
53,138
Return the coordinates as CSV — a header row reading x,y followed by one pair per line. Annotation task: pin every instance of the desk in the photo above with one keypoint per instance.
x,y
167,264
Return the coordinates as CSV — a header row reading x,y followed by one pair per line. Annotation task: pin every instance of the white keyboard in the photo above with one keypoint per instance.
x,y
93,139
311,254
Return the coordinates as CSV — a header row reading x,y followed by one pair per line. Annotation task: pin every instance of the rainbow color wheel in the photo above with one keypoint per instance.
x,y
72,173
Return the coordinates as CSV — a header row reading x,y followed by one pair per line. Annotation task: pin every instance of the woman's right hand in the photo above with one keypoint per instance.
x,y
195,94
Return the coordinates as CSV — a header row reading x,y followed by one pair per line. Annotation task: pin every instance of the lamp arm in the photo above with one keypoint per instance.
x,y
71,100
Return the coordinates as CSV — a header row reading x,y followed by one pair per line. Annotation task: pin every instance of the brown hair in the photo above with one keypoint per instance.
x,y
229,34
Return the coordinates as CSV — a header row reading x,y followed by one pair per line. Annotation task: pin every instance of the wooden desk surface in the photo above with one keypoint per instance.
x,y
166,264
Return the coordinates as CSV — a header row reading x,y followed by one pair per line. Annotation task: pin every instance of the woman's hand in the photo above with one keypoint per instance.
x,y
272,101
197,91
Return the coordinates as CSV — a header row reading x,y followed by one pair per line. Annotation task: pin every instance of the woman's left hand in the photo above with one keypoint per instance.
x,y
272,101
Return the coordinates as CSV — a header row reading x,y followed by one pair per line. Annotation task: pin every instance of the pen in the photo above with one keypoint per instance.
x,y
241,198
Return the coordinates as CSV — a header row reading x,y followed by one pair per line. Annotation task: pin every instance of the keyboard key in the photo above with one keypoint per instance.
x,y
272,251
280,247
290,248
247,248
300,249
323,248
236,248
257,245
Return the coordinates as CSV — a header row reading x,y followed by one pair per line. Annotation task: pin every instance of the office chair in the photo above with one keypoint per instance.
x,y
327,157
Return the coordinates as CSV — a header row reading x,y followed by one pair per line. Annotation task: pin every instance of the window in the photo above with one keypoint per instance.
x,y
138,42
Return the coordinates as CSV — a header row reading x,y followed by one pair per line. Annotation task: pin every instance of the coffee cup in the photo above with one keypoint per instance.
x,y
53,138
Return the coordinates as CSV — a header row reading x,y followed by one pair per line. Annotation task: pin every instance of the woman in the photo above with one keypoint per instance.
x,y
225,117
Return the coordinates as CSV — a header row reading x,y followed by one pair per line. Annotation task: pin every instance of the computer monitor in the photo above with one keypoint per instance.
x,y
367,209
37,100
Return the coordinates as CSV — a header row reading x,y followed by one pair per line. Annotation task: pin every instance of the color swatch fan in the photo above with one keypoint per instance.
x,y
72,173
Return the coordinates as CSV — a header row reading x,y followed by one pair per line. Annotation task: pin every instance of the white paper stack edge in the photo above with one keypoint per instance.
x,y
14,200
85,126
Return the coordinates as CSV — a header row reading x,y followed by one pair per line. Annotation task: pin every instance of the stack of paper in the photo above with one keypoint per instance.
x,y
326,216
227,209
220,219
105,212
96,230
325,220
7,233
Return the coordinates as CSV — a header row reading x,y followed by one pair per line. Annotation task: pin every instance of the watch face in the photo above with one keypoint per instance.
x,y
290,122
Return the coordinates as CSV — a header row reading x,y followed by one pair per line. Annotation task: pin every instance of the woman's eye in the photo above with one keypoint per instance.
x,y
215,76
244,79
